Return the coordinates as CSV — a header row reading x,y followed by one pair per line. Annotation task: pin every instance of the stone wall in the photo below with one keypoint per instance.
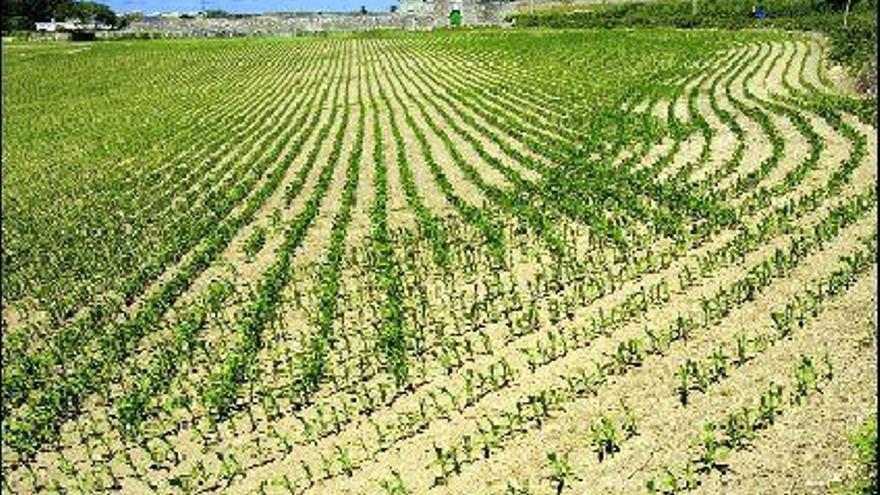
x,y
260,25
41,36
411,15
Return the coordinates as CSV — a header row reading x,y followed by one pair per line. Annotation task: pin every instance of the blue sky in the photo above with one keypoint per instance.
x,y
246,6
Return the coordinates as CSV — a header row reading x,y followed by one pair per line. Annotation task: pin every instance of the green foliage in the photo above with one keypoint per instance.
x,y
864,442
395,485
806,379
255,242
841,4
711,450
561,471
604,437
216,13
387,317
854,45
738,429
455,18
22,14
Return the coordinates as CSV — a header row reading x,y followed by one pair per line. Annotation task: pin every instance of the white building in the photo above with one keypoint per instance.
x,y
48,27
71,25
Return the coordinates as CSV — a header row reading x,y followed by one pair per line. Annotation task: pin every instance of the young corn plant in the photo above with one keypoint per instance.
x,y
670,483
770,406
742,349
395,485
628,425
562,472
515,488
806,379
711,450
739,429
719,363
604,437
828,373
255,242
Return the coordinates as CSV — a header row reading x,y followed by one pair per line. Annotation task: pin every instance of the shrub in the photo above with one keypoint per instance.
x,y
854,45
865,444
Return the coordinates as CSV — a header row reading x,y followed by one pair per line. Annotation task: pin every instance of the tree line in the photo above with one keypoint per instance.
x,y
23,14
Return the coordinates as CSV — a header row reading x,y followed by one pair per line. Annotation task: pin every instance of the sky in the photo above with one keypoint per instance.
x,y
246,6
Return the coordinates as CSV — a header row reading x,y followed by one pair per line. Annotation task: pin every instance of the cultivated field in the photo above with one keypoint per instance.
x,y
500,262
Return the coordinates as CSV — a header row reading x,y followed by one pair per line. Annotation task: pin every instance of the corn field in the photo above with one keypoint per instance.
x,y
489,261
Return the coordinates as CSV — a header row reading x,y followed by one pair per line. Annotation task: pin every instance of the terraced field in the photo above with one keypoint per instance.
x,y
483,262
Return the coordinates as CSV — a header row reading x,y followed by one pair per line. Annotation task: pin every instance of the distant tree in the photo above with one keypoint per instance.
x,y
844,5
841,4
393,9
130,17
216,13
363,10
23,14
99,12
